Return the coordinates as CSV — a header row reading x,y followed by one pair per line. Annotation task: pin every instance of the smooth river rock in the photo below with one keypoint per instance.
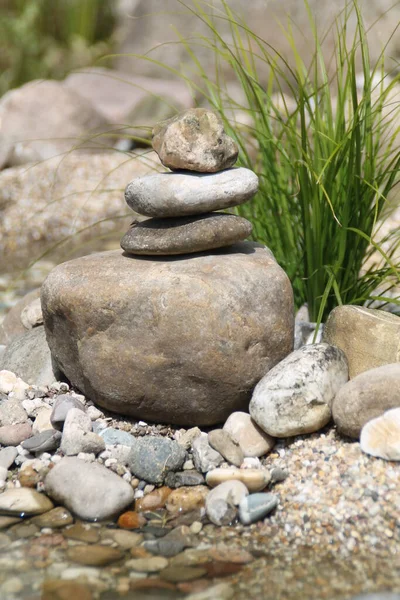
x,y
253,441
194,140
365,397
295,397
186,194
185,235
205,327
374,340
89,490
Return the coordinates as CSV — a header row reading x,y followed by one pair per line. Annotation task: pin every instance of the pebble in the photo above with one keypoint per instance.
x,y
153,564
43,420
184,478
61,407
126,539
365,397
156,499
89,490
187,438
82,532
113,437
295,396
7,521
28,476
63,590
255,507
7,456
94,555
222,591
131,520
14,585
179,194
187,499
380,437
54,518
223,500
12,412
47,441
23,500
195,140
185,235
254,479
77,435
7,381
253,441
196,527
165,546
230,554
152,457
205,458
223,443
175,574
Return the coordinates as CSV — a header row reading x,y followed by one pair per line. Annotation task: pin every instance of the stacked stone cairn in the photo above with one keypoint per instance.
x,y
182,204
182,325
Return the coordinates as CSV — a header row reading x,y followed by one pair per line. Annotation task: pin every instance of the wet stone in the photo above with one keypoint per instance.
x,y
53,589
125,539
82,533
156,499
24,500
153,564
55,518
256,507
175,574
185,235
186,499
94,555
131,520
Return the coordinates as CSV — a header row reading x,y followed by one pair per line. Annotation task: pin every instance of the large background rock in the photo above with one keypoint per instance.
x,y
79,197
182,340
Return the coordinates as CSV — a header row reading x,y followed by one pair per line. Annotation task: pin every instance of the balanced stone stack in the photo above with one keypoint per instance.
x,y
182,203
184,338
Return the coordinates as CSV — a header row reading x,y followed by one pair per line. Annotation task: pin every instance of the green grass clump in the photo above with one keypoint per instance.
x,y
326,155
48,38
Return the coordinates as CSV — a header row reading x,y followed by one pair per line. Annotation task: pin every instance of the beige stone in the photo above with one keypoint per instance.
x,y
254,479
187,498
252,440
368,337
195,140
206,329
24,500
366,397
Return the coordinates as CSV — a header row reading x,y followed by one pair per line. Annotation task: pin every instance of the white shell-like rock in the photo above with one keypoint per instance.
x,y
381,436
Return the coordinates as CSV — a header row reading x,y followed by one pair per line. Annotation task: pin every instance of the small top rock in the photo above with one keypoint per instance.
x,y
194,140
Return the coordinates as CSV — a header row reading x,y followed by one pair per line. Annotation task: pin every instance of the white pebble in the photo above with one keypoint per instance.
x,y
7,381
87,456
139,494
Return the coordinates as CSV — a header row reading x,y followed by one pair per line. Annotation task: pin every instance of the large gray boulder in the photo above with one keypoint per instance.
x,y
178,340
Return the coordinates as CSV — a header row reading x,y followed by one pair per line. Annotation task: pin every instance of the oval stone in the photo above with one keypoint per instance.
x,y
178,340
185,235
185,194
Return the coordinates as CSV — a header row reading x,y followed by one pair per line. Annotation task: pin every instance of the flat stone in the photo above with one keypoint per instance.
x,y
231,553
254,479
13,435
114,437
7,521
165,547
184,195
43,420
47,441
194,140
12,412
77,435
295,397
61,408
223,443
184,478
187,499
29,357
153,457
89,490
253,441
205,458
125,539
365,397
175,574
82,533
96,556
222,591
56,518
31,315
207,340
153,564
256,506
374,339
7,456
223,500
25,501
185,235
61,590
381,436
